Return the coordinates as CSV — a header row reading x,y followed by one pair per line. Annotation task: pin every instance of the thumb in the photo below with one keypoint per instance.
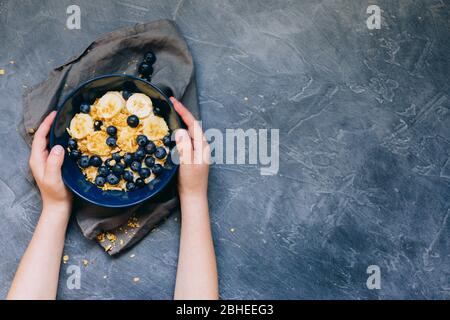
x,y
54,163
184,146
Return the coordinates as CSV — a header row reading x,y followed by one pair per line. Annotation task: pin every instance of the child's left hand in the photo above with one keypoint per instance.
x,y
46,168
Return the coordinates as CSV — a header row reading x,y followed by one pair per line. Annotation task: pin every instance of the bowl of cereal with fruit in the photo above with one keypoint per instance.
x,y
116,130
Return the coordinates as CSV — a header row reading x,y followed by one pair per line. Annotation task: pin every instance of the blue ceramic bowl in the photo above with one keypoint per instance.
x,y
71,173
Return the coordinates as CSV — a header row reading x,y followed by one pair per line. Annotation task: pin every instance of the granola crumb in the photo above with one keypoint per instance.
x,y
101,237
133,222
31,130
132,255
2,72
136,279
111,236
65,259
85,262
232,230
104,277
108,247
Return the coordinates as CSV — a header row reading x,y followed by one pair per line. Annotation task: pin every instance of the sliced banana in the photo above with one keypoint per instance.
x,y
110,104
155,128
81,125
126,139
140,105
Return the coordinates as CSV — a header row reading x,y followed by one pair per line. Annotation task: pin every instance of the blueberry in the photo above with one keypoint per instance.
x,y
95,161
111,141
100,181
110,162
167,141
133,121
116,156
160,153
135,166
131,186
126,94
141,140
75,154
128,176
149,161
157,111
145,69
111,130
145,173
139,154
118,169
150,57
139,182
103,171
98,125
112,179
150,148
84,161
157,169
85,107
128,158
72,144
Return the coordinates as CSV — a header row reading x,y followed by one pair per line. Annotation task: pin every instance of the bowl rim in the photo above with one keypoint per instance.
x,y
52,138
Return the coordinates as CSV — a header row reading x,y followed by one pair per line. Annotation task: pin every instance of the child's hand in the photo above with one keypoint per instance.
x,y
195,155
46,168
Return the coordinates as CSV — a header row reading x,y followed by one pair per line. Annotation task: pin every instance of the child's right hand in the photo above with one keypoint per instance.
x,y
195,155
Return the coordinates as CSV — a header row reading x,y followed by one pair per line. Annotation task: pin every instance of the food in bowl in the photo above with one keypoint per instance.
x,y
119,142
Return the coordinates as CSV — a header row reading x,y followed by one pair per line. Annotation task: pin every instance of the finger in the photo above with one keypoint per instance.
x,y
39,151
194,128
184,146
43,130
54,162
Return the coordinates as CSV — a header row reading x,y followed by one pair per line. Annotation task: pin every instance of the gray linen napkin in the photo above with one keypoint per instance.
x,y
119,52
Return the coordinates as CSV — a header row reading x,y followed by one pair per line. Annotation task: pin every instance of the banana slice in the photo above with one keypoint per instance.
x,y
126,139
140,105
81,125
110,104
155,128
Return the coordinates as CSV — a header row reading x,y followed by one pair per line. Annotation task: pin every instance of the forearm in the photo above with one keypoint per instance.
x,y
197,270
38,271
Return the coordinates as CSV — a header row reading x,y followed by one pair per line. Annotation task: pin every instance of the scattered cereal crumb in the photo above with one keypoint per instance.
x,y
108,247
12,62
31,131
121,242
232,230
2,72
245,98
85,262
111,236
101,237
133,222
104,277
65,258
132,255
136,279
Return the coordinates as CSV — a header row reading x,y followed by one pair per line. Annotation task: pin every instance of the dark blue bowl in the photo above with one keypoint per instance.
x,y
71,173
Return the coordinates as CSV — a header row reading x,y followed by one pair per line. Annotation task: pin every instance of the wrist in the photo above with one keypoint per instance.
x,y
193,196
59,209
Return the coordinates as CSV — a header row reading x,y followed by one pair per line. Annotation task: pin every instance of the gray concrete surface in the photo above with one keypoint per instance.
x,y
364,119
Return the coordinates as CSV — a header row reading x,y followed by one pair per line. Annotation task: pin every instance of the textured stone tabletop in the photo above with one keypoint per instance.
x,y
364,120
